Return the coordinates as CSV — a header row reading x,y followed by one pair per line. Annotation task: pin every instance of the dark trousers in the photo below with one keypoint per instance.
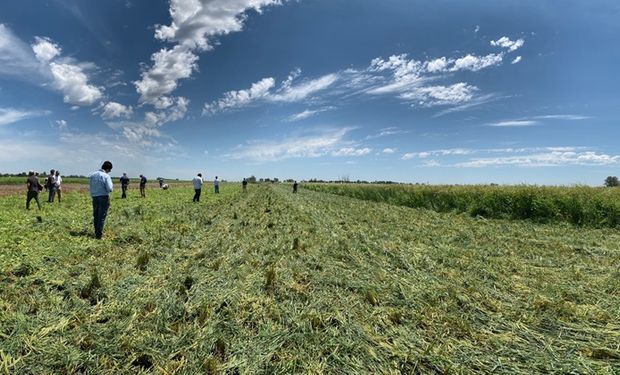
x,y
52,192
197,195
32,195
124,188
217,189
100,211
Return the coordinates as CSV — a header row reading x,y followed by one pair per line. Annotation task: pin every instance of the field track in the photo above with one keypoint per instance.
x,y
274,282
14,189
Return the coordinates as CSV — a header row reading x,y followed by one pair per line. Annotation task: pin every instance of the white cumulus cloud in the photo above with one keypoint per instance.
x,y
505,42
476,63
73,82
113,110
169,66
68,76
45,49
194,27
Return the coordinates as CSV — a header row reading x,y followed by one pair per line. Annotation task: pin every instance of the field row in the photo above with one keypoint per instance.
x,y
583,206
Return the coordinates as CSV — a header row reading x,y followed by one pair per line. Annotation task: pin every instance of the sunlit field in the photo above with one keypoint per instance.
x,y
275,282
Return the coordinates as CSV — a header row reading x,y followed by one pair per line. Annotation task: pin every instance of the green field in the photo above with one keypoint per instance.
x,y
579,205
273,282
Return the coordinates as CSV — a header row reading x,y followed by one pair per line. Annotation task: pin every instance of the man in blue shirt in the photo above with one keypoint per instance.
x,y
100,189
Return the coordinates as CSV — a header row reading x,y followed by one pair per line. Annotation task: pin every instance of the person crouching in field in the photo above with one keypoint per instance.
x,y
197,181
124,185
100,189
142,186
34,187
216,185
58,185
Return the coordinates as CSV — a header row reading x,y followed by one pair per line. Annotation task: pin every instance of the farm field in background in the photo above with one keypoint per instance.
x,y
578,205
269,281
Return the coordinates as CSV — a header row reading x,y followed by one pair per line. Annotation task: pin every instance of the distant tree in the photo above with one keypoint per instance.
x,y
251,179
612,181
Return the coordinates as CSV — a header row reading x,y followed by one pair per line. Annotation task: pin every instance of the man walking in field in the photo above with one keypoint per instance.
x,y
142,186
100,189
34,187
245,185
57,185
124,185
197,181
295,185
216,185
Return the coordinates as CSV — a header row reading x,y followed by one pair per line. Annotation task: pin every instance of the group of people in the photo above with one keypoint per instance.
x,y
100,186
124,180
198,182
53,185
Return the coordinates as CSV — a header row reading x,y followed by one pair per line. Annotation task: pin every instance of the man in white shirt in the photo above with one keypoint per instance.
x,y
216,185
58,187
197,181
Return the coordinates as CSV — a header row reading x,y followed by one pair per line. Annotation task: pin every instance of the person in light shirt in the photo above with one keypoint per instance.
x,y
100,189
216,185
58,185
197,181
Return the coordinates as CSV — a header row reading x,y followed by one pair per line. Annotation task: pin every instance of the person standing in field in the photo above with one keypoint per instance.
x,y
100,189
124,185
142,186
295,185
245,185
58,185
216,185
50,184
34,187
197,181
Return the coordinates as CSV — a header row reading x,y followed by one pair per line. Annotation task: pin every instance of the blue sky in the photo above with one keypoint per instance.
x,y
413,91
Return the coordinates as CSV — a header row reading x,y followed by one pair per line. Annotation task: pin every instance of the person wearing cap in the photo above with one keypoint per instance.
x,y
100,189
124,184
34,187
197,181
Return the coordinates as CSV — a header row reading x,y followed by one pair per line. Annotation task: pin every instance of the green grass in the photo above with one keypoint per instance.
x,y
580,205
273,282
